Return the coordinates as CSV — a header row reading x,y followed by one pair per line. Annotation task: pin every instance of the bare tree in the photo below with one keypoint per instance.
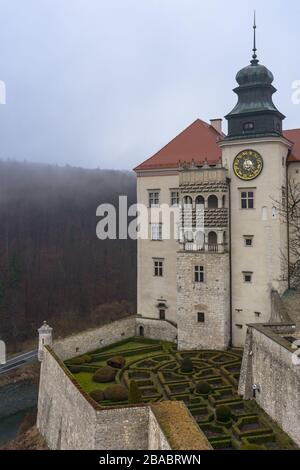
x,y
289,209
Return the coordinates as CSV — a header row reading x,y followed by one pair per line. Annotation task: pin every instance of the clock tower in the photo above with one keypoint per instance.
x,y
255,153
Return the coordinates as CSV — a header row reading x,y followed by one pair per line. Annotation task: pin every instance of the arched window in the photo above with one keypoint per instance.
x,y
212,241
141,330
223,201
199,200
212,202
187,200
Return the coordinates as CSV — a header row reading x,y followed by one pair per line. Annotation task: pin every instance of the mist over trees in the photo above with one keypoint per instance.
x,y
52,265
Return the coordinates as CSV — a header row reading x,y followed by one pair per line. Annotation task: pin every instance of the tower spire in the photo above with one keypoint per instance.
x,y
254,60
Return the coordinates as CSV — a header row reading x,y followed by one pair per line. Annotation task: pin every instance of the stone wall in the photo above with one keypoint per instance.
x,y
124,428
95,338
69,420
212,297
268,363
156,329
65,418
157,438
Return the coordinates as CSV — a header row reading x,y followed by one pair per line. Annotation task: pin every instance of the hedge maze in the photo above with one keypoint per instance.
x,y
206,381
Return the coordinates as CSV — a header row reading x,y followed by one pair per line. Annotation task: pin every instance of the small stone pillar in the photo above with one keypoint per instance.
x,y
45,339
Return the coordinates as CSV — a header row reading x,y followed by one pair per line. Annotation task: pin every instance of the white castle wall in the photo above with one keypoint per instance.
x,y
270,365
156,329
95,338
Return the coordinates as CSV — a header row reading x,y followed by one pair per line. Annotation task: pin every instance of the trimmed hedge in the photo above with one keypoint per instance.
x,y
187,365
97,395
75,369
203,388
252,447
223,413
116,392
117,362
85,358
105,374
135,395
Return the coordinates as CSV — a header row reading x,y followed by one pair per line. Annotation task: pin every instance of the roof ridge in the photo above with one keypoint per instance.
x,y
198,121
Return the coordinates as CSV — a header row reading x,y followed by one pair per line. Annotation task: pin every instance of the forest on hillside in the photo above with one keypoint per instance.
x,y
52,265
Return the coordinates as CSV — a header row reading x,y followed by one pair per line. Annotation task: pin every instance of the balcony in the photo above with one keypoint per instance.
x,y
206,248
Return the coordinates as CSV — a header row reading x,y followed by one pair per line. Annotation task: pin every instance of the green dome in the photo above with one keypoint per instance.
x,y
254,74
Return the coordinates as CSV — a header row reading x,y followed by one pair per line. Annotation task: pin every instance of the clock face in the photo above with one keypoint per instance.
x,y
248,164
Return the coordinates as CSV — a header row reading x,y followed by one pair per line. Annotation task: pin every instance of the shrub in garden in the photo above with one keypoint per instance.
x,y
105,374
77,360
251,447
223,413
187,365
97,395
75,369
87,358
203,388
81,359
116,392
135,395
117,361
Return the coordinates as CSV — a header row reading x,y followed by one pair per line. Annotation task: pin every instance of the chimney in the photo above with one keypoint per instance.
x,y
217,124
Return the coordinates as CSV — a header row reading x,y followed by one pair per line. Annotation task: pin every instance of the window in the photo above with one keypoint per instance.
x,y
247,199
283,196
162,314
200,317
156,231
199,274
212,202
248,240
174,198
158,268
200,200
153,198
247,276
248,126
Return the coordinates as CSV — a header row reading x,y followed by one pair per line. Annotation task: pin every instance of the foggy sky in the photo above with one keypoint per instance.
x,y
98,83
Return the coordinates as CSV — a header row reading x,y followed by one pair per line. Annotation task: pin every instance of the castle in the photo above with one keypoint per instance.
x,y
212,286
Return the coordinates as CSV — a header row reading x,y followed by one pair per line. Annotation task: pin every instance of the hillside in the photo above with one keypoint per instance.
x,y
52,265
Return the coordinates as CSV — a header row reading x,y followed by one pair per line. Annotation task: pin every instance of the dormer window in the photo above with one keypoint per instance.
x,y
248,126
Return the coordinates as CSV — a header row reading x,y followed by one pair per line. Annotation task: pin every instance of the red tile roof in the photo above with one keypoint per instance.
x,y
199,142
294,136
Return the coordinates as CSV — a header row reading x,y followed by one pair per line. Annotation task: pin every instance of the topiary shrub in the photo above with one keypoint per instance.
x,y
87,358
104,374
77,360
135,395
251,447
116,392
223,413
203,388
75,369
187,365
117,361
97,395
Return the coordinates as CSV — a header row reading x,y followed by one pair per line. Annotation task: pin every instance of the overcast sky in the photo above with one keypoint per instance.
x,y
106,83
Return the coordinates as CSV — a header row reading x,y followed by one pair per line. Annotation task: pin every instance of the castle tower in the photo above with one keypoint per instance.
x,y
203,288
45,339
255,153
